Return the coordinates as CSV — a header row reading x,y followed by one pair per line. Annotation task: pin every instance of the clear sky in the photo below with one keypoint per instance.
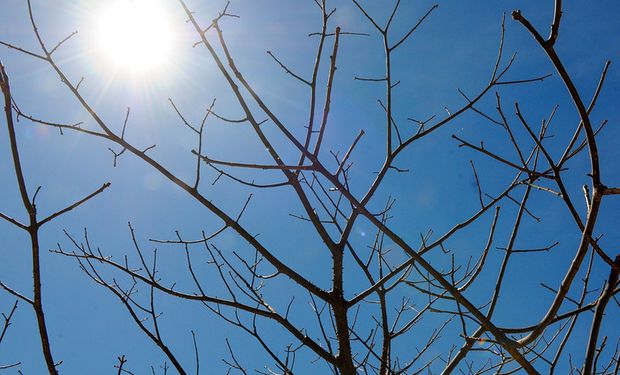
x,y
454,49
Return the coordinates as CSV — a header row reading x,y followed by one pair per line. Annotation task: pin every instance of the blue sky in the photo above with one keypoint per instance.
x,y
455,48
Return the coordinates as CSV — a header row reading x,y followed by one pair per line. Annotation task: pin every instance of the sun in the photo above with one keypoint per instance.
x,y
135,35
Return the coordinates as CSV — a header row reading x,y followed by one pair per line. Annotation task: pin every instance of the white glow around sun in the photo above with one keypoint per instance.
x,y
135,35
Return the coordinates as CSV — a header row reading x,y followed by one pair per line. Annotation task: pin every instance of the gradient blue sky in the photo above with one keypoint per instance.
x,y
455,48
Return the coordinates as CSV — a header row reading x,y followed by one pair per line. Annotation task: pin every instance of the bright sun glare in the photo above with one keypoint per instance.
x,y
135,35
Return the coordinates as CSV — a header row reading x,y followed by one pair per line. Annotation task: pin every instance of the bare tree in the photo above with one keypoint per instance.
x,y
397,303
